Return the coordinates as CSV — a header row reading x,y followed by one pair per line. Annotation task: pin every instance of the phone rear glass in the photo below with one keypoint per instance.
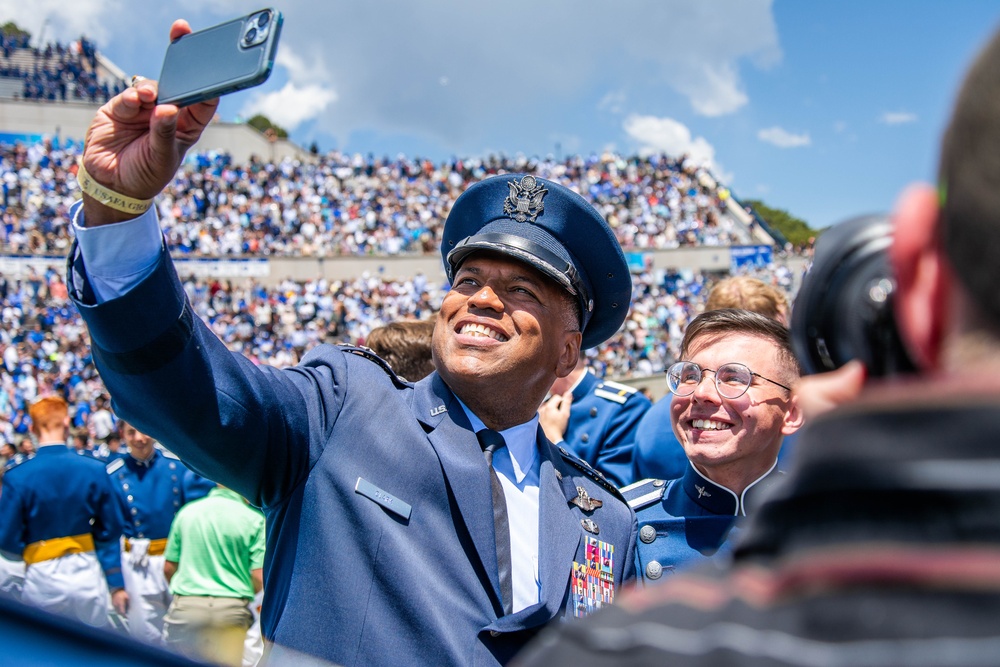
x,y
219,60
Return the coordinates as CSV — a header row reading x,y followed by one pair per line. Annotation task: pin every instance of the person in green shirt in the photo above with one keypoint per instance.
x,y
214,563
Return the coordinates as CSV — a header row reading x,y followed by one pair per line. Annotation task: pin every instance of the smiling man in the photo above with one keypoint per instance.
x,y
730,411
428,523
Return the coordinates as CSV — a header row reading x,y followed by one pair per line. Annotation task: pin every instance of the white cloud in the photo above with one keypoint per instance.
x,y
292,105
515,72
714,89
52,20
613,102
782,138
898,117
304,97
669,136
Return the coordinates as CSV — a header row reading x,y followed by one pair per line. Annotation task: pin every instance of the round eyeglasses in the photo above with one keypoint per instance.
x,y
731,380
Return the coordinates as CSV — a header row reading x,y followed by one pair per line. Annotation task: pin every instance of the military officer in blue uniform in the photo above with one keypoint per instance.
x,y
425,522
58,514
596,419
731,408
151,484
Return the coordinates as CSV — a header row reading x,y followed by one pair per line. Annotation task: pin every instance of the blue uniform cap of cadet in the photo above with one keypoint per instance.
x,y
554,230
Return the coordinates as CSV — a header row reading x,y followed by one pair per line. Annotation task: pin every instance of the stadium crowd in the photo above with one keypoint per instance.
x,y
343,204
57,72
336,205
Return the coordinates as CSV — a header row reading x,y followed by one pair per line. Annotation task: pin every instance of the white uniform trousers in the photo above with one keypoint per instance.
x,y
72,585
148,591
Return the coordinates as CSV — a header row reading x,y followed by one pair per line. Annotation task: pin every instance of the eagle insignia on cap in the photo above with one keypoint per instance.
x,y
524,203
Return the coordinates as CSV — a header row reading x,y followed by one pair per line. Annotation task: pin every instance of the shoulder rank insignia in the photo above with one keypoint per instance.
x,y
371,356
614,391
114,465
584,501
595,475
644,493
524,203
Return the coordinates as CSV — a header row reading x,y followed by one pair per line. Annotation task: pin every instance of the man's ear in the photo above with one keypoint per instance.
x,y
794,417
923,275
570,356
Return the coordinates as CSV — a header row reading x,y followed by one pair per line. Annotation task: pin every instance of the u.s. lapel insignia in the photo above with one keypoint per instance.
x,y
590,526
584,501
524,203
438,410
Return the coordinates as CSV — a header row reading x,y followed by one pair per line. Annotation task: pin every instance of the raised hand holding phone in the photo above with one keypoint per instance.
x,y
136,142
135,146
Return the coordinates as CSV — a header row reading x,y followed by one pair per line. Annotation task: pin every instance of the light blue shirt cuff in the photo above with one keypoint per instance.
x,y
119,256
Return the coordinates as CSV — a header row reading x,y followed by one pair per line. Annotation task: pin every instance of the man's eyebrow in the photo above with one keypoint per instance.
x,y
517,277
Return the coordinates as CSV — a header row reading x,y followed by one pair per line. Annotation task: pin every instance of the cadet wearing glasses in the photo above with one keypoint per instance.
x,y
732,406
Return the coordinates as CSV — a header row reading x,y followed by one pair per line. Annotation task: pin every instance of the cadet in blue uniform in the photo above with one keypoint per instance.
x,y
731,409
58,514
151,485
390,535
601,421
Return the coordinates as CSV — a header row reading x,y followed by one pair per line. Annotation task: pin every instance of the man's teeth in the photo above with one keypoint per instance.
x,y
709,425
481,330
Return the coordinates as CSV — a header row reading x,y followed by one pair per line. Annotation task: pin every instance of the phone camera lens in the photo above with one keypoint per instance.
x,y
250,36
263,19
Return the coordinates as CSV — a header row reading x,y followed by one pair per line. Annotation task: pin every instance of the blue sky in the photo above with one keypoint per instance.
x,y
826,109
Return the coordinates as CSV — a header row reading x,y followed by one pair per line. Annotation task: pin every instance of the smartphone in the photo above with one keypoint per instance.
x,y
219,60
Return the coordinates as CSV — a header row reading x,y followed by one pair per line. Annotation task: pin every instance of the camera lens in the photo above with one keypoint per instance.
x,y
263,19
843,310
250,36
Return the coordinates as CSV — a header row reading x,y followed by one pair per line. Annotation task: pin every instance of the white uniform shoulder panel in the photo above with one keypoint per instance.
x,y
644,493
614,391
114,465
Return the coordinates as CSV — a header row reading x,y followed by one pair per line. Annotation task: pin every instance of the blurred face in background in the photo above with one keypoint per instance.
x,y
139,444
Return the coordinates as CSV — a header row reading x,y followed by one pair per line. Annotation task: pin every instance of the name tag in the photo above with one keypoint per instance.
x,y
383,498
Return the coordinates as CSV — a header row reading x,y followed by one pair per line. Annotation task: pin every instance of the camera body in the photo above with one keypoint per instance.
x,y
844,309
219,60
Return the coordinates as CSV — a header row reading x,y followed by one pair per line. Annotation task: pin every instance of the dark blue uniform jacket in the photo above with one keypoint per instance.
x,y
380,538
688,520
602,424
58,493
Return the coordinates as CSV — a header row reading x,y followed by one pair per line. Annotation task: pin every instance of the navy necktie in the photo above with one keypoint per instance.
x,y
491,441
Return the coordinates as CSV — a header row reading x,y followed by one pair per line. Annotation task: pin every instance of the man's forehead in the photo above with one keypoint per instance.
x,y
739,343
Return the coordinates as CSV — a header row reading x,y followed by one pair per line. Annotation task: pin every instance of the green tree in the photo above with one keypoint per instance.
x,y
263,123
795,230
14,31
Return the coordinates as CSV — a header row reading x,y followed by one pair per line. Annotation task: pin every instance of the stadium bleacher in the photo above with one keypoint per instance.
x,y
260,215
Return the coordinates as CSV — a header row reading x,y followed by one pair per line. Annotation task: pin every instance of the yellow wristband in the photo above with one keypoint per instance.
x,y
110,198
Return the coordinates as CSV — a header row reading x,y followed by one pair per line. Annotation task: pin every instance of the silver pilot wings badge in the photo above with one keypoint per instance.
x,y
524,203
